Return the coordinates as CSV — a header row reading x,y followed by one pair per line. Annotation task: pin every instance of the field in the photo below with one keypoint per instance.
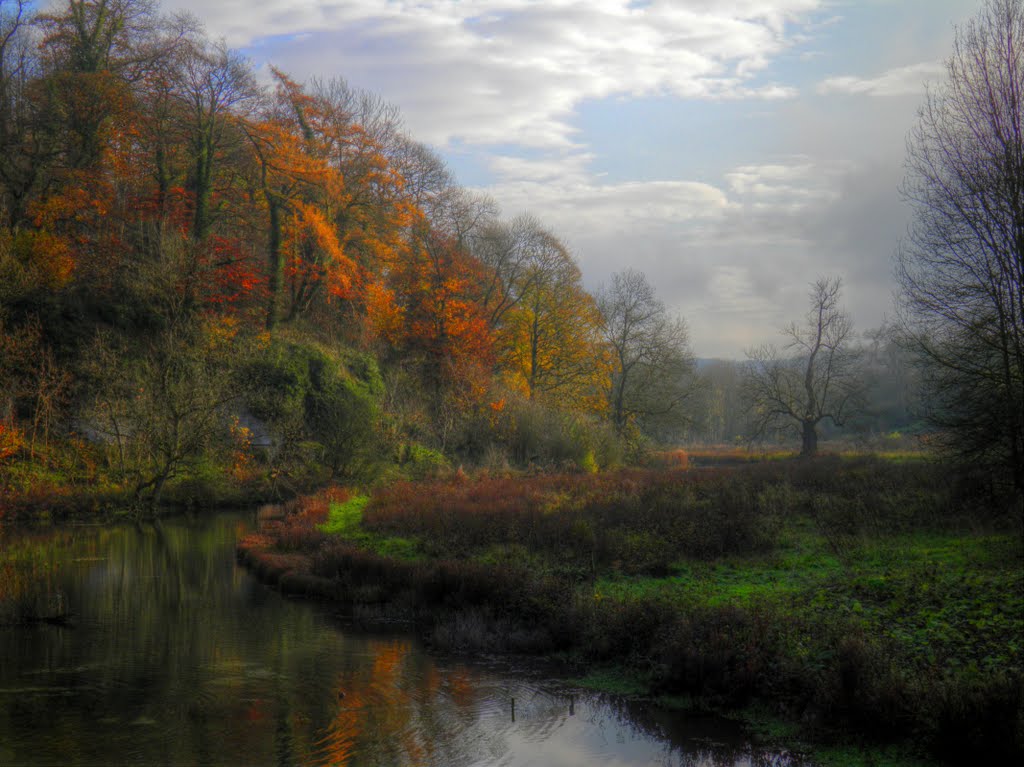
x,y
860,597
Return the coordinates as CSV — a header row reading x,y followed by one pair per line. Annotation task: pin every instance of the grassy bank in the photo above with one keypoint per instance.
x,y
855,596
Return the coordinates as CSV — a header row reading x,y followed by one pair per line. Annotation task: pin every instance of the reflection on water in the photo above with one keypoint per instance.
x,y
178,657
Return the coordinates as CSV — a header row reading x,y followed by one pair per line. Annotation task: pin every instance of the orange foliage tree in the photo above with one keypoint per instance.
x,y
443,326
336,216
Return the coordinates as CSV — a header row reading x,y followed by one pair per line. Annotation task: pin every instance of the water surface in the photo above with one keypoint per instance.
x,y
177,656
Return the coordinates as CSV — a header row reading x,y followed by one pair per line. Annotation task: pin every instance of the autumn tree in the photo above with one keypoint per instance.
x,y
443,330
652,366
419,177
961,266
813,378
517,254
550,330
94,49
337,218
86,100
370,210
289,172
198,170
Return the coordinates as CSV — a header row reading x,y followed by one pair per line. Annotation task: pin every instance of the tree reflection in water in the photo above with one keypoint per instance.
x,y
179,657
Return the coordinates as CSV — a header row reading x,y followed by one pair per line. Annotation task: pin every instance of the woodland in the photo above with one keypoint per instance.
x,y
208,279
216,288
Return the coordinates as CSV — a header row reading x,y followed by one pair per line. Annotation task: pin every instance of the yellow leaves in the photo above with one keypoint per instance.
x,y
551,345
242,459
262,340
221,332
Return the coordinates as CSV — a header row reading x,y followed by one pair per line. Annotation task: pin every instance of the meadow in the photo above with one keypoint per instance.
x,y
851,597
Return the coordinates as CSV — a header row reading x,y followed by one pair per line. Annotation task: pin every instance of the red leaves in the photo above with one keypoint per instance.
x,y
232,275
11,441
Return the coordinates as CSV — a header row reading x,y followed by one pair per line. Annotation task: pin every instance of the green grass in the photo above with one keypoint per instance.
x,y
345,520
869,756
944,601
612,680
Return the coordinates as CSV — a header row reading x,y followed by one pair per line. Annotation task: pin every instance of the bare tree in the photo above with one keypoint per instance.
x,y
961,266
517,254
213,86
23,148
160,409
721,417
653,369
813,378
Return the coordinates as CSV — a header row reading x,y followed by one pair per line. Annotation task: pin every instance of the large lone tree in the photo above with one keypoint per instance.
x,y
813,378
961,266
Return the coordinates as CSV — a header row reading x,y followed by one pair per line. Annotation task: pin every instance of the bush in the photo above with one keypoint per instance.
x,y
11,441
326,404
543,436
420,462
716,652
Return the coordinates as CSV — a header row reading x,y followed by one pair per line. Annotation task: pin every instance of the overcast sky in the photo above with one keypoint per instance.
x,y
733,151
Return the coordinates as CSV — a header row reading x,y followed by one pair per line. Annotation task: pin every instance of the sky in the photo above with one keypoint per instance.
x,y
732,150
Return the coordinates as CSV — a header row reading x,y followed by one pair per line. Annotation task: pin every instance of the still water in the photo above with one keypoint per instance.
x,y
177,656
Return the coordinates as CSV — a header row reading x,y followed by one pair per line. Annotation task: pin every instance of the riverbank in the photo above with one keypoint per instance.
x,y
863,599
72,481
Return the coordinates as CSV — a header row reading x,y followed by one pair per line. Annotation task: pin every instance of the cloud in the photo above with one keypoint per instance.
x,y
789,185
901,81
513,71
581,209
557,169
733,258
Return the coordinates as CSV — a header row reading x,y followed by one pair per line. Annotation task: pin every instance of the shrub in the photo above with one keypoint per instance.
x,y
669,459
420,462
11,441
716,652
544,436
325,403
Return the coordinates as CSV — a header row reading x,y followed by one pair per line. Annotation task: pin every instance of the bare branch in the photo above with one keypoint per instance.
x,y
961,265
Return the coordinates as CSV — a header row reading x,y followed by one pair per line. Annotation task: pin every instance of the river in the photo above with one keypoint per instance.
x,y
177,656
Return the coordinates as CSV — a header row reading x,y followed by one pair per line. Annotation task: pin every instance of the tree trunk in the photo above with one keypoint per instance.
x,y
276,262
809,444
